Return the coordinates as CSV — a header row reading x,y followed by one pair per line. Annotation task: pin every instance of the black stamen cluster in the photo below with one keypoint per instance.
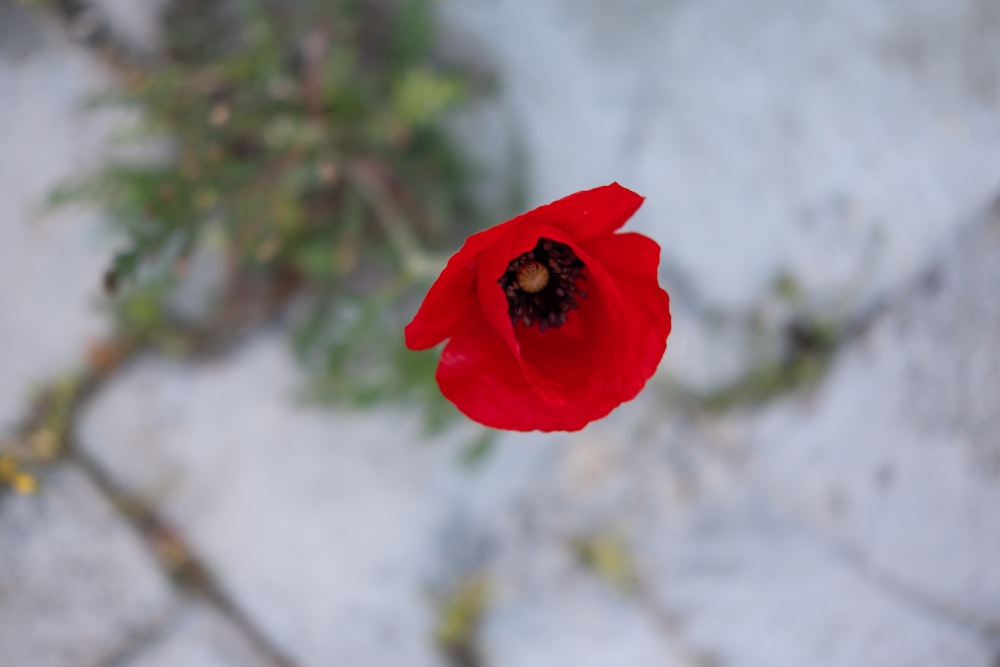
x,y
549,306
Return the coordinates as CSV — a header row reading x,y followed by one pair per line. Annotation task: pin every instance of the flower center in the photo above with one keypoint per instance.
x,y
541,285
532,277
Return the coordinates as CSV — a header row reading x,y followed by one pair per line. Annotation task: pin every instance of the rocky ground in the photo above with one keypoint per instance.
x,y
204,518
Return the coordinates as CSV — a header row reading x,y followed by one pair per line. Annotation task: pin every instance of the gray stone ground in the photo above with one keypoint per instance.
x,y
50,261
77,584
856,149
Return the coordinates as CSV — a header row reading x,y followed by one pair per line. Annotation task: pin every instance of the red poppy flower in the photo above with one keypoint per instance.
x,y
553,319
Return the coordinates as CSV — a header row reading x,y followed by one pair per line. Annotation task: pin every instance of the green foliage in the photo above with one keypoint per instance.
x,y
309,137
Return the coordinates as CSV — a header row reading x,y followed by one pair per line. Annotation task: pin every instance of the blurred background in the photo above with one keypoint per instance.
x,y
217,216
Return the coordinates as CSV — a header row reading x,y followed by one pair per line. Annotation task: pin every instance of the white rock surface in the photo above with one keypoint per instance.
x,y
51,262
726,576
319,527
77,586
838,144
200,637
336,533
750,589
898,455
575,620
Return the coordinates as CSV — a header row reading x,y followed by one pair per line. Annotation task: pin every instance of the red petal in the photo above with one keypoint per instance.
x,y
633,260
588,214
606,352
480,375
492,264
451,300
566,378
627,252
520,378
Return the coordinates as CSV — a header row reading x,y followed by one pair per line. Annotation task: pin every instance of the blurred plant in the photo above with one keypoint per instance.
x,y
14,476
458,620
305,140
607,556
45,434
799,355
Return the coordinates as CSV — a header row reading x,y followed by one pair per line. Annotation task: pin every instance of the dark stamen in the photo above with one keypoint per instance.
x,y
541,285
